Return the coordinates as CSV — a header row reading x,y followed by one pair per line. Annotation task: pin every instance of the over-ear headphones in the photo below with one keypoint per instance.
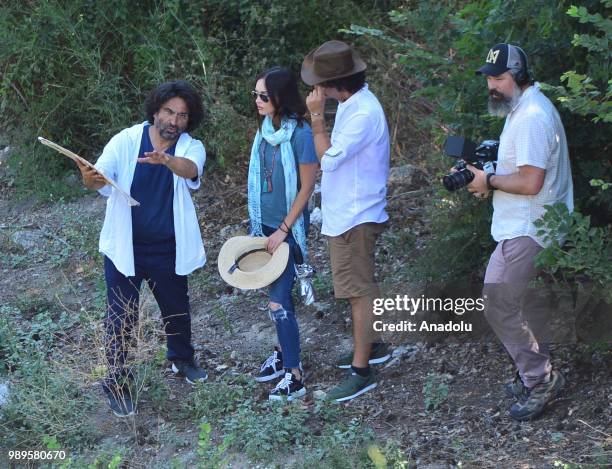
x,y
522,76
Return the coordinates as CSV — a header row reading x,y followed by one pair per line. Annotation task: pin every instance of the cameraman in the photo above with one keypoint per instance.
x,y
533,170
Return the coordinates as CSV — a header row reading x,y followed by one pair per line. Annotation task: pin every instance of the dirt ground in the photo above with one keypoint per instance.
x,y
471,428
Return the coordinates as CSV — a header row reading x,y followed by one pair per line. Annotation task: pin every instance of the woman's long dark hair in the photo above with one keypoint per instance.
x,y
282,88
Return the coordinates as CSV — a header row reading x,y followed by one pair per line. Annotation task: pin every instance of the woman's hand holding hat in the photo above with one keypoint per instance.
x,y
275,240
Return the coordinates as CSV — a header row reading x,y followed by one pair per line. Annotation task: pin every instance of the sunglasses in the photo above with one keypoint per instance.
x,y
264,97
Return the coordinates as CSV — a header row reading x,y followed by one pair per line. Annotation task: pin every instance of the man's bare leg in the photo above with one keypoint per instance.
x,y
363,331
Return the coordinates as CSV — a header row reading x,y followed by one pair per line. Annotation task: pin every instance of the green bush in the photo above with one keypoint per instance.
x,y
435,391
260,438
47,397
211,456
339,442
586,93
216,399
78,72
264,430
439,45
586,255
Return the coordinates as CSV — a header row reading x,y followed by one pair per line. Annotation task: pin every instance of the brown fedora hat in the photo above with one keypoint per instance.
x,y
331,60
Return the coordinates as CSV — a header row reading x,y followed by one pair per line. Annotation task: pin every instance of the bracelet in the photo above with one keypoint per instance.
x,y
315,114
281,228
286,226
488,179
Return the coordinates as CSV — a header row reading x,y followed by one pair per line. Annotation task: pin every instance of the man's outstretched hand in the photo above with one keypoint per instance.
x,y
155,157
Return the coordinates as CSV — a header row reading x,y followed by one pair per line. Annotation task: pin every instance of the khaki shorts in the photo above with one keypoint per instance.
x,y
352,261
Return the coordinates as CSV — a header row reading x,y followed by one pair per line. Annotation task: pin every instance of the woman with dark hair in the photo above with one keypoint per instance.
x,y
282,175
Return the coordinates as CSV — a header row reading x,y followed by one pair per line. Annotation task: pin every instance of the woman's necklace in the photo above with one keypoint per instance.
x,y
267,184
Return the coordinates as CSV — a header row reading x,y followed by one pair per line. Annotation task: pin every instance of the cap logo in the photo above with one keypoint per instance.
x,y
492,56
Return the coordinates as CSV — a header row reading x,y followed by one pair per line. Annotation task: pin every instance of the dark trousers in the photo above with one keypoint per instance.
x,y
154,263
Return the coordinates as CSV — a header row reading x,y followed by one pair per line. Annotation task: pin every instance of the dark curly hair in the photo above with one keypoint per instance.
x,y
176,89
282,88
352,83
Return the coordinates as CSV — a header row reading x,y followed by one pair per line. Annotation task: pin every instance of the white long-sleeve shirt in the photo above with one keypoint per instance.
x,y
356,166
118,162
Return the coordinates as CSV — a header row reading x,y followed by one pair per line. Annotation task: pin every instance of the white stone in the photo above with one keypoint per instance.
x,y
316,216
28,239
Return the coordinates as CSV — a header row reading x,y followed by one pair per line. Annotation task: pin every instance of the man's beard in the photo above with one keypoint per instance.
x,y
169,132
501,105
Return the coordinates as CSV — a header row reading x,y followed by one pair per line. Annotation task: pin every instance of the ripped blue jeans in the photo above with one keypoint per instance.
x,y
287,329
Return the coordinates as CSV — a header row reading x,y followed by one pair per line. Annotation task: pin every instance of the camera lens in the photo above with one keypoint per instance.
x,y
457,180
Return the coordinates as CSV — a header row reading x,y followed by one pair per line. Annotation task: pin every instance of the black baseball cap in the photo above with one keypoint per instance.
x,y
501,58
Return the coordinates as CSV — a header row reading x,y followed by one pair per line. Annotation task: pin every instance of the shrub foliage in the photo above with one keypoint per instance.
x,y
77,72
439,46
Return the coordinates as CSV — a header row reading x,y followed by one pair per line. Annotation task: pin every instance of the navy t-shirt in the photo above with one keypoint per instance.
x,y
274,204
153,187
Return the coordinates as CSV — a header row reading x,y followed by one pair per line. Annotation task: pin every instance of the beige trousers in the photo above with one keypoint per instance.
x,y
518,312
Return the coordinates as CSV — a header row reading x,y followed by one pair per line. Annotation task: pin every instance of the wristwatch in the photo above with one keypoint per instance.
x,y
488,179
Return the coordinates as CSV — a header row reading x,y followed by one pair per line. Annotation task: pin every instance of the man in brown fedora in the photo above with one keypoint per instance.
x,y
355,165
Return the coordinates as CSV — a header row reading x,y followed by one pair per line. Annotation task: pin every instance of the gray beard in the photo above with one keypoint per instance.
x,y
167,134
503,107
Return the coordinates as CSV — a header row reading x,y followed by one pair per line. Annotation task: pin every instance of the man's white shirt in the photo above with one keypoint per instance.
x,y
533,135
118,162
356,166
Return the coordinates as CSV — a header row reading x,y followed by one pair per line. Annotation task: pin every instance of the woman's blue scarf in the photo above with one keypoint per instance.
x,y
274,137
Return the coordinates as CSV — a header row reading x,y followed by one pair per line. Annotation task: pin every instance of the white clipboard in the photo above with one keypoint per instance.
x,y
73,156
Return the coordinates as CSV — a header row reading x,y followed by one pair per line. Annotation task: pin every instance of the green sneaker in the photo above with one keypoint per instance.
x,y
352,387
379,354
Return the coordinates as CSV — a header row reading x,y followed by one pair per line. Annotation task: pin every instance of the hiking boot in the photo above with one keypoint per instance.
x,y
120,401
515,387
536,398
379,354
353,386
272,368
190,370
289,387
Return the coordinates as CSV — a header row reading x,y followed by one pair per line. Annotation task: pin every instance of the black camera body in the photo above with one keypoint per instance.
x,y
482,156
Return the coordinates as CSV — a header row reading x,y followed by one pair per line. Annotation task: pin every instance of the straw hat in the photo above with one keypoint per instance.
x,y
331,60
245,263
